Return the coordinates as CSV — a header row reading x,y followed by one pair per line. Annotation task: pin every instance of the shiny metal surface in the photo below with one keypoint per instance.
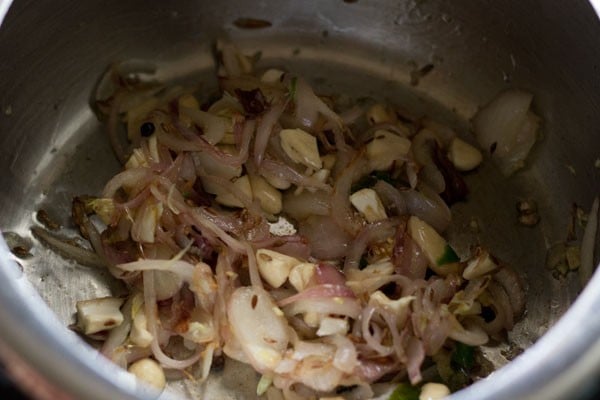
x,y
53,148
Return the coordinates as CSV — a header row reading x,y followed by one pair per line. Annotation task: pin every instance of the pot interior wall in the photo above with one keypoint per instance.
x,y
54,148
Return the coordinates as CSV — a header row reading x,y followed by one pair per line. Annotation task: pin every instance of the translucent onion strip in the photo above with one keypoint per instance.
x,y
152,321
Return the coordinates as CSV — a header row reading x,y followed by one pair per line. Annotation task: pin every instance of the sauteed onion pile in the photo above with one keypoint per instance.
x,y
297,233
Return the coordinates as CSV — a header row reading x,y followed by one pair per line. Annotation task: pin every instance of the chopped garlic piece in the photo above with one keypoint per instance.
x,y
301,147
139,334
367,202
301,274
332,326
434,391
99,314
322,175
149,371
228,199
268,197
463,156
480,265
328,161
396,306
277,182
312,319
136,160
385,149
272,75
435,247
275,267
379,113
382,267
189,101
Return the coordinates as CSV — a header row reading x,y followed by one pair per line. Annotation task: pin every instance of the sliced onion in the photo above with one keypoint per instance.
x,y
264,130
391,197
323,291
286,173
117,336
423,146
327,241
182,268
261,332
429,206
371,233
471,334
408,258
130,179
371,340
309,106
507,127
415,354
151,319
213,127
341,210
373,370
318,373
303,205
328,274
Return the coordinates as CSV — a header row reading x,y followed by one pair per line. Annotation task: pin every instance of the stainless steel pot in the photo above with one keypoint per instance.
x,y
52,53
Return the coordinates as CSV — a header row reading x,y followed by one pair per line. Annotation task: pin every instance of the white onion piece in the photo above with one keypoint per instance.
x,y
423,147
213,126
327,241
204,224
588,241
415,354
253,266
128,180
117,336
284,172
371,340
470,334
370,371
507,125
303,349
261,332
309,106
346,356
264,130
182,269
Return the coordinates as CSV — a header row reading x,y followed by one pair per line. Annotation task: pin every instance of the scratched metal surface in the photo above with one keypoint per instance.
x,y
54,148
